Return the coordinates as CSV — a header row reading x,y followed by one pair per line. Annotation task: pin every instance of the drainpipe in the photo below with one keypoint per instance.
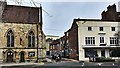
x,y
39,24
37,43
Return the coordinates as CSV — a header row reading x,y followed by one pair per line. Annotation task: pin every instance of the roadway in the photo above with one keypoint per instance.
x,y
68,64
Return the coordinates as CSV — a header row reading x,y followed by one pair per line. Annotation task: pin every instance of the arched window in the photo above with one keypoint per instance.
x,y
10,39
31,39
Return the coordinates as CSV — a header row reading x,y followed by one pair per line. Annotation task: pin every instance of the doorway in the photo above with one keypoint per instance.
x,y
10,56
103,52
22,57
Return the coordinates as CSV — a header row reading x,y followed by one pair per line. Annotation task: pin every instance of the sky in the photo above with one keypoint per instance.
x,y
58,15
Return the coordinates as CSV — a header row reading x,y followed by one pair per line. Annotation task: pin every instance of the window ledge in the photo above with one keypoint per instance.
x,y
101,32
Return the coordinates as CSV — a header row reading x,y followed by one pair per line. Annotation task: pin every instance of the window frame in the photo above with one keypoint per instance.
x,y
113,40
113,28
102,39
89,28
90,53
101,29
90,40
31,39
10,38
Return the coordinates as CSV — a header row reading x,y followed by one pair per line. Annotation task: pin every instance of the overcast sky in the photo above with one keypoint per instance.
x,y
58,15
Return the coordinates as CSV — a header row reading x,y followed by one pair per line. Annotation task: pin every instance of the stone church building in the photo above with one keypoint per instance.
x,y
21,35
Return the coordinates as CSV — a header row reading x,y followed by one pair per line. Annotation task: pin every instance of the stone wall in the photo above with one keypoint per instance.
x,y
20,31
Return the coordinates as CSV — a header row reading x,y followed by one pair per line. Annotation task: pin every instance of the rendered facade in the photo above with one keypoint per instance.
x,y
97,38
93,37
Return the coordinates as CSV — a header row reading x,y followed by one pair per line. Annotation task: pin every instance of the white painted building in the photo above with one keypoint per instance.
x,y
52,37
97,38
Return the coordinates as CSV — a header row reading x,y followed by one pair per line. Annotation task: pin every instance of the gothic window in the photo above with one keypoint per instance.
x,y
10,39
31,39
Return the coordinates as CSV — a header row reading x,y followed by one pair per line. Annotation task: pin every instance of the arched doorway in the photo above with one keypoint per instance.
x,y
22,56
9,56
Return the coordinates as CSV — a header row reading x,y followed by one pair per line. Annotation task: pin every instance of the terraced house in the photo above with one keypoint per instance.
x,y
21,35
97,38
93,37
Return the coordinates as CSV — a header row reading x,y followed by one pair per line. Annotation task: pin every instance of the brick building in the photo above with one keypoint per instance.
x,y
64,46
49,40
111,13
55,47
70,46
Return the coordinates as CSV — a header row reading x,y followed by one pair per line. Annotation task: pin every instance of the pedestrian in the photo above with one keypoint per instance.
x,y
53,58
59,57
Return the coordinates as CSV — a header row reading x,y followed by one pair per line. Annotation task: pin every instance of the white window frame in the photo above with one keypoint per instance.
x,y
90,40
100,28
88,28
102,39
113,40
112,29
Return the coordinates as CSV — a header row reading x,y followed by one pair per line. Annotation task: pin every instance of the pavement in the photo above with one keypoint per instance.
x,y
20,64
65,59
27,63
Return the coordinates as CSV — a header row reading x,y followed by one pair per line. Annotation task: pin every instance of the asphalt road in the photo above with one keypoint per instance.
x,y
77,67
62,67
69,64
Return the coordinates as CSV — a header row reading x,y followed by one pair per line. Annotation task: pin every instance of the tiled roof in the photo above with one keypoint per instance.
x,y
20,14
